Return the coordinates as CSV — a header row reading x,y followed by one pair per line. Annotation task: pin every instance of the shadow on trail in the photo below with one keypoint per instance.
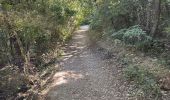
x,y
87,73
72,52
77,45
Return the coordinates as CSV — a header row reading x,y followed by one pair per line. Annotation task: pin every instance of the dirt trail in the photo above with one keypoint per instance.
x,y
88,73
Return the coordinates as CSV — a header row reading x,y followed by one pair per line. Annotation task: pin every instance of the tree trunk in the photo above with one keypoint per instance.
x,y
12,34
23,54
167,8
148,17
156,16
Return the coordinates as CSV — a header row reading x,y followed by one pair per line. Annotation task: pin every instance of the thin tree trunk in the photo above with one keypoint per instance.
x,y
167,8
156,16
23,54
148,17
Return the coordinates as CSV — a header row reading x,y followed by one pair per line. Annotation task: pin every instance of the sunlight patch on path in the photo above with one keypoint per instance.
x,y
61,78
64,77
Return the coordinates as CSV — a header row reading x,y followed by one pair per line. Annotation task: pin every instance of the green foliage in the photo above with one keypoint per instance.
x,y
119,34
145,81
134,36
31,30
120,14
4,51
157,47
39,24
114,14
136,23
167,30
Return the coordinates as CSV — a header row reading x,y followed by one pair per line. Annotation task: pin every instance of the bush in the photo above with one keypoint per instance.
x,y
144,81
4,52
157,47
136,36
119,34
37,24
133,36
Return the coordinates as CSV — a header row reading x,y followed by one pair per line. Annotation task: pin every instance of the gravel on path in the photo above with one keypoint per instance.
x,y
87,73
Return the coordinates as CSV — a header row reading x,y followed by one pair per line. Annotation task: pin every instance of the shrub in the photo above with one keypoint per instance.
x,y
4,51
134,36
119,34
157,47
38,24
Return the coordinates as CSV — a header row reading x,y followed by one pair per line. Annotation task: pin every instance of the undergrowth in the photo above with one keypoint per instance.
x,y
145,81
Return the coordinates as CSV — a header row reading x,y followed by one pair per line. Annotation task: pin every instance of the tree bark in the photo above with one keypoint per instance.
x,y
156,16
148,16
167,8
